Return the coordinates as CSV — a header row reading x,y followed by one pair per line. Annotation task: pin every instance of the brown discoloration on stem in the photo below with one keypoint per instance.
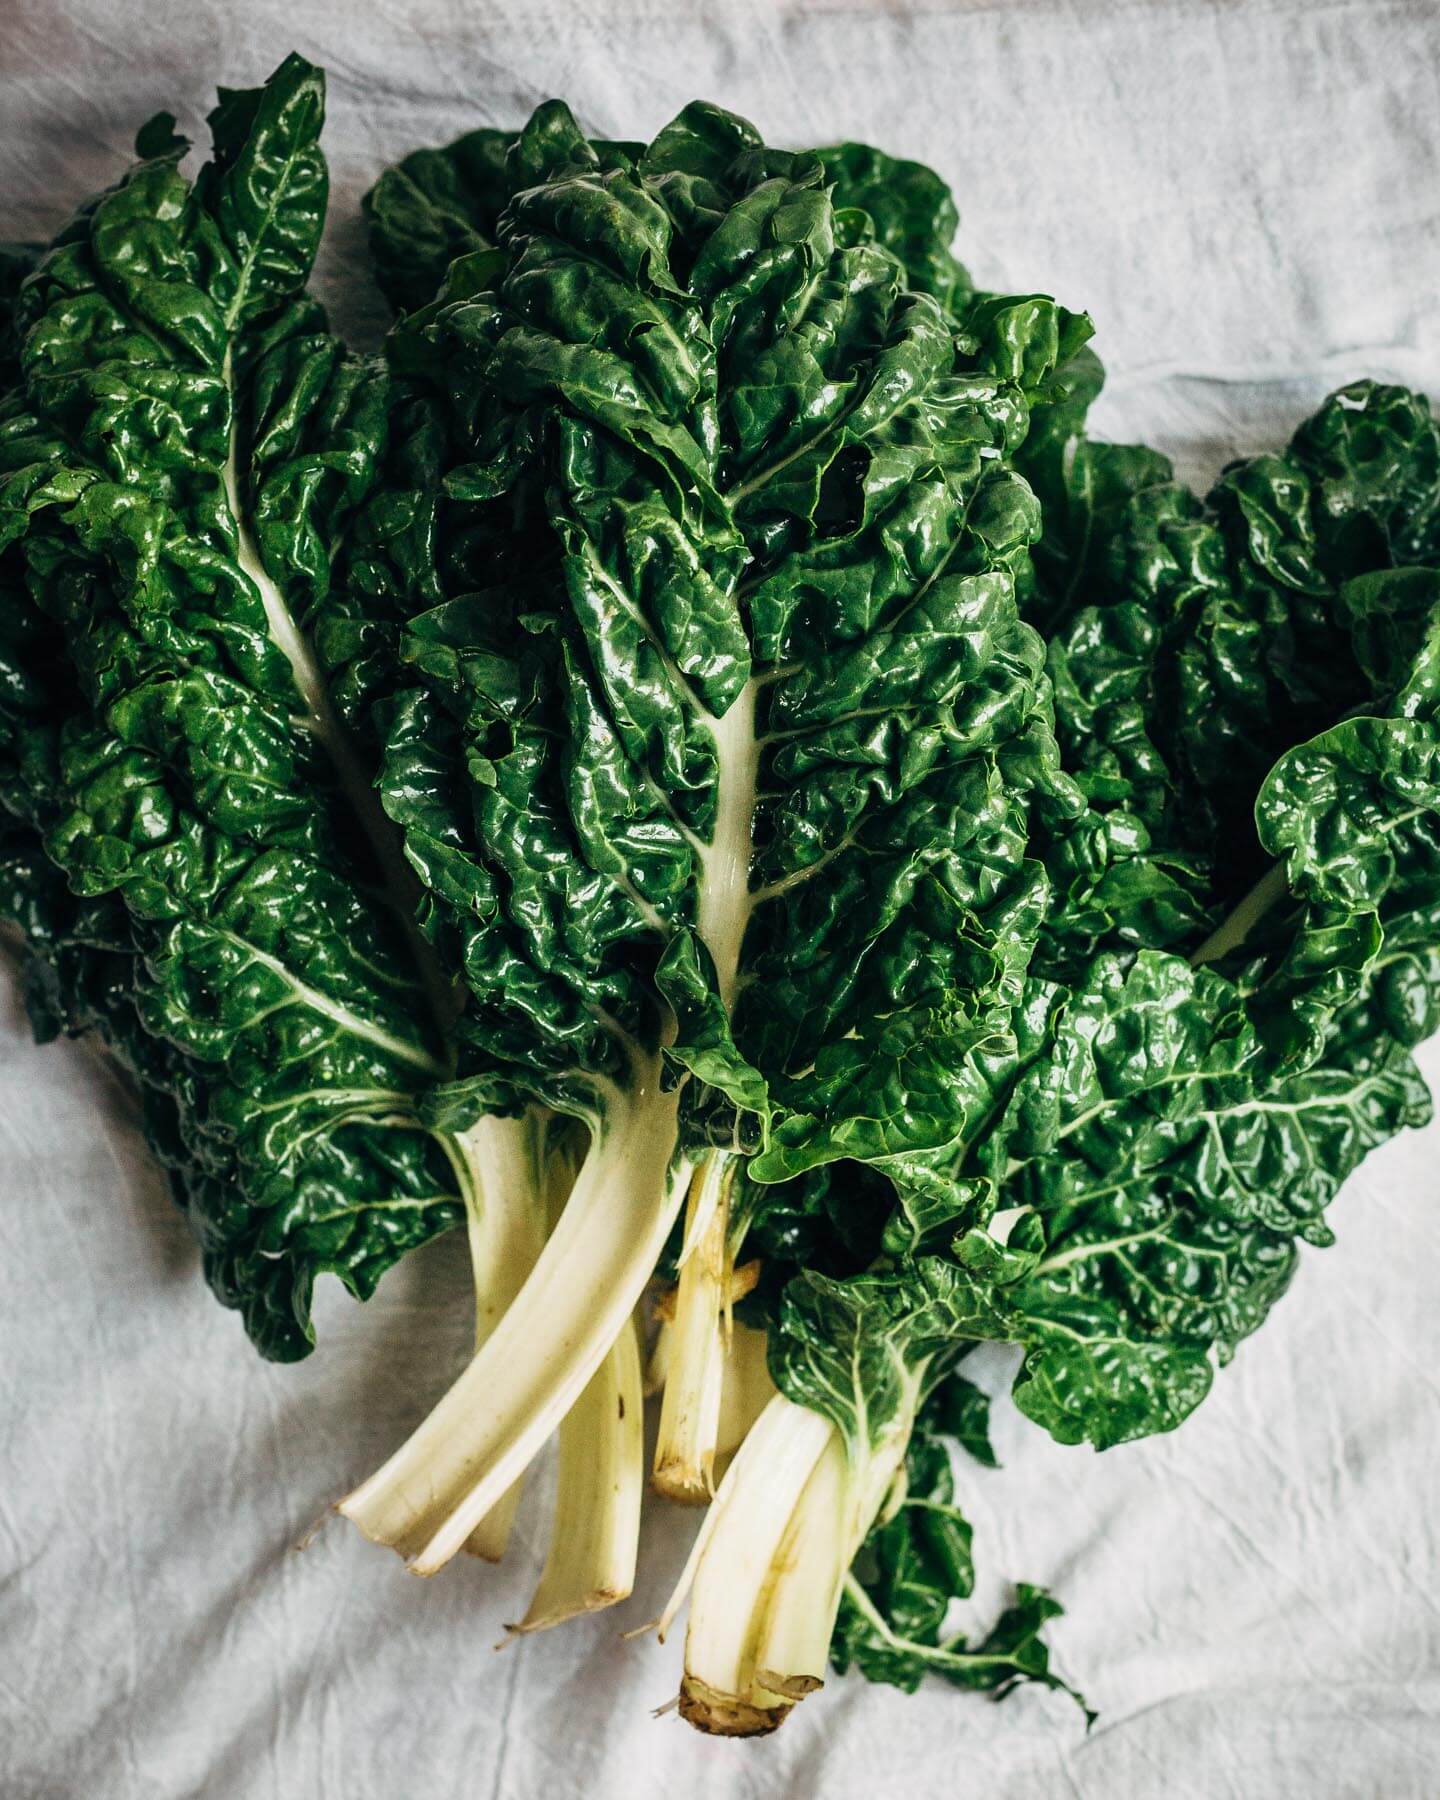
x,y
727,1715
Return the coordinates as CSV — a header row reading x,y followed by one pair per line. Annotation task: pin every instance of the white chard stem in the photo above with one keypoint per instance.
x,y
534,1366
684,1468
498,1168
491,1537
745,1391
767,1572
507,1217
732,1567
1272,888
792,1645
554,1345
657,1364
596,1532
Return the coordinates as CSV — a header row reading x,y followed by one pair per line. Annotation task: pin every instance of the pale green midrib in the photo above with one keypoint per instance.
x,y
1165,1303
898,710
1271,889
1212,1113
656,921
939,1654
787,883
1235,928
1210,1117
242,285
724,899
1401,953
320,716
398,883
635,613
1100,1247
1364,1085
308,683
335,1010
1117,1339
411,1203
1117,1247
797,315
1114,1246
381,1120
735,496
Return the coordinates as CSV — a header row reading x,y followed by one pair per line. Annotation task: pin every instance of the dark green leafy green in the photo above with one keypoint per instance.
x,y
1206,661
961,1411
182,452
804,743
907,208
686,372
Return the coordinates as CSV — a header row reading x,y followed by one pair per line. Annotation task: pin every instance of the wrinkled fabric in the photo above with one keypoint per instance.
x,y
1247,199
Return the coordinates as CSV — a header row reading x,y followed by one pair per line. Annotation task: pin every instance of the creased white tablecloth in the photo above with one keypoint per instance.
x,y
1246,198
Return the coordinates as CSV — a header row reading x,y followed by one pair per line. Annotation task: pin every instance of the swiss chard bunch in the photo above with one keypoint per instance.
x,y
715,737
696,765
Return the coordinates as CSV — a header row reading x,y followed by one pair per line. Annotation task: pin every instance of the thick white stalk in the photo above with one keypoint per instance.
x,y
733,1565
797,1617
491,1537
840,1504
690,1349
775,1440
684,1467
653,1308
745,1391
765,1581
501,1165
596,1531
657,1364
554,1336
498,1166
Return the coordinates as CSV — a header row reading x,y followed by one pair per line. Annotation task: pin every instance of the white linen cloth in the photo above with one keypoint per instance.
x,y
1246,199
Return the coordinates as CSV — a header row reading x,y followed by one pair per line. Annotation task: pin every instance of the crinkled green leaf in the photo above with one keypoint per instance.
x,y
185,423
680,379
857,1351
